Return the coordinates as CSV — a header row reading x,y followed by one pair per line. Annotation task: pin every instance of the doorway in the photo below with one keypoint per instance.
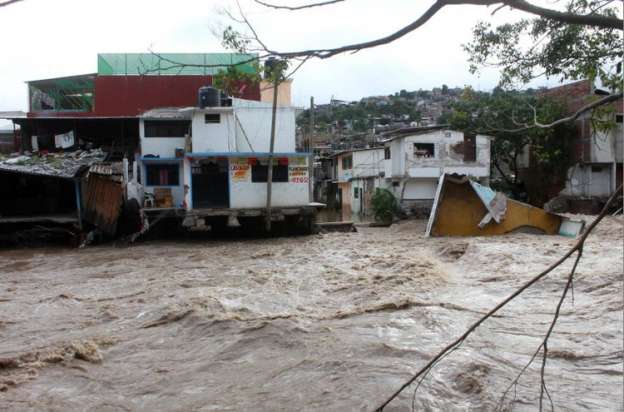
x,y
210,187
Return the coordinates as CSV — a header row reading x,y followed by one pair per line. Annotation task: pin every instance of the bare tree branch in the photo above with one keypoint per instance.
x,y
544,344
594,20
7,2
497,9
587,108
292,8
253,31
453,345
552,326
177,65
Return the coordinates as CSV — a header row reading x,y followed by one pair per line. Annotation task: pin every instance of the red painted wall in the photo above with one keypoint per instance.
x,y
133,95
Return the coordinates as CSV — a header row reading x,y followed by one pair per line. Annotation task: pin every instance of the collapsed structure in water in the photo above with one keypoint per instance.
x,y
463,207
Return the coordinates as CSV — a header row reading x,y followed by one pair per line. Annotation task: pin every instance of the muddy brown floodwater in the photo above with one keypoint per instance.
x,y
327,322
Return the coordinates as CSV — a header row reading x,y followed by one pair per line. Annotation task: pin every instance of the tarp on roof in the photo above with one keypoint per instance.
x,y
122,64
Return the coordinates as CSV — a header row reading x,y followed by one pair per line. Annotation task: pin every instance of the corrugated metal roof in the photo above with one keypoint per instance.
x,y
13,114
411,131
168,113
64,165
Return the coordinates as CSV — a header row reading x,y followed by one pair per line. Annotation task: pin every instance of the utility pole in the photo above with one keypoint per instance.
x,y
311,138
271,148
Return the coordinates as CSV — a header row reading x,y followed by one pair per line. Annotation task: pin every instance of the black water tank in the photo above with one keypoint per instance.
x,y
226,101
209,97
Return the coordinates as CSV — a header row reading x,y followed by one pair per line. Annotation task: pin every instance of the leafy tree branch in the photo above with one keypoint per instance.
x,y
293,8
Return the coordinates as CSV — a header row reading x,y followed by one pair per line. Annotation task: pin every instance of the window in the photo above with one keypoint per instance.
x,y
167,128
355,192
212,118
619,118
470,148
386,153
347,162
162,175
260,172
424,150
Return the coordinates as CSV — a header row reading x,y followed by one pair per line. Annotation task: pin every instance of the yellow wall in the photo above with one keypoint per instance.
x,y
283,93
460,210
346,195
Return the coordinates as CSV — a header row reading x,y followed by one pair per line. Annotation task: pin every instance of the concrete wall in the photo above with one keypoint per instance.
x,y
394,167
158,146
246,194
419,175
186,180
362,205
347,194
255,119
214,137
177,191
605,145
343,175
244,127
283,92
448,156
419,189
589,180
368,163
619,142
357,203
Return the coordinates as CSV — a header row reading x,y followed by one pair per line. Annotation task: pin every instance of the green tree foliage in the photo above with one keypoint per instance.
x,y
501,112
532,47
231,78
384,204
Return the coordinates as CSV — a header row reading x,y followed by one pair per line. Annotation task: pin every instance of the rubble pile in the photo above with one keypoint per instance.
x,y
65,164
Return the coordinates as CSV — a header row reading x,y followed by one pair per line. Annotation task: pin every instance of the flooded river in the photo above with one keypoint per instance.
x,y
327,322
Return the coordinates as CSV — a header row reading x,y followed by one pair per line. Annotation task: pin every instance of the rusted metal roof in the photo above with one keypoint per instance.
x,y
103,202
165,113
14,114
64,165
410,131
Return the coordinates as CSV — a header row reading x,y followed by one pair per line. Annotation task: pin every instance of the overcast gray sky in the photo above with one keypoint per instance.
x,y
45,38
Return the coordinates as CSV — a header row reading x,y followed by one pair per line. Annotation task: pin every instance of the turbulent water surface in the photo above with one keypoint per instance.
x,y
328,322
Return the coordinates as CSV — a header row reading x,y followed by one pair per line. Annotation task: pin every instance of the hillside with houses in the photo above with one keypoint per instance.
x,y
353,124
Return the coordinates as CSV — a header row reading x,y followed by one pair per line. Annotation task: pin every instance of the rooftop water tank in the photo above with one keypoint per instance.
x,y
209,97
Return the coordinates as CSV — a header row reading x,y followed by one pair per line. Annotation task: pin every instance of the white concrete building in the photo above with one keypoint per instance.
x,y
601,171
358,173
409,165
596,155
415,158
214,160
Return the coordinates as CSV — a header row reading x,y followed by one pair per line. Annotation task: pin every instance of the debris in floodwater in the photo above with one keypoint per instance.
x,y
354,311
463,207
